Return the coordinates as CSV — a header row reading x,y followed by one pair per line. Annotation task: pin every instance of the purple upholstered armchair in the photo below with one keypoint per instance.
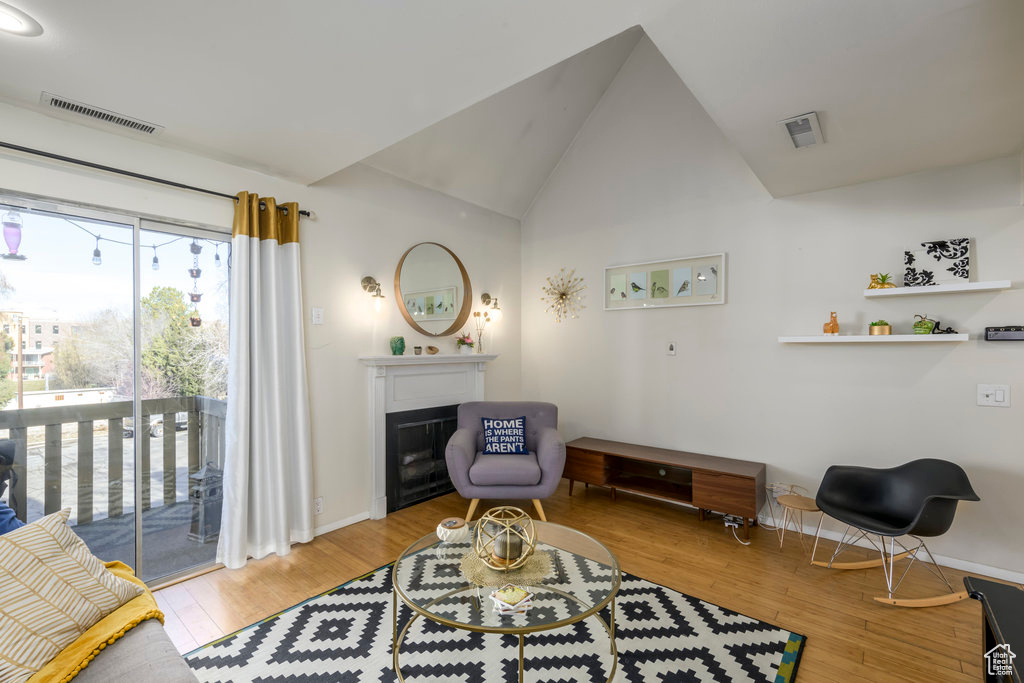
x,y
532,476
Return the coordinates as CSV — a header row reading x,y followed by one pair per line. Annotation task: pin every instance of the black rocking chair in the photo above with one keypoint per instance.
x,y
917,499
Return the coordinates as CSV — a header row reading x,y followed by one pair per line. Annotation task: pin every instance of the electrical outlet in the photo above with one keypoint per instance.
x,y
318,316
318,505
671,348
997,395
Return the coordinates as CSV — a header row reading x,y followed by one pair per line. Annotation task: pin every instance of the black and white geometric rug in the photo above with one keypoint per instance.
x,y
344,636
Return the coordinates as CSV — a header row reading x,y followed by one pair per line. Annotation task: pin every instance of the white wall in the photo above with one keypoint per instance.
x,y
365,221
650,177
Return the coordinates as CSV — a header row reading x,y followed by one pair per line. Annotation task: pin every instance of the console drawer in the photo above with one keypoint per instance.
x,y
725,493
585,466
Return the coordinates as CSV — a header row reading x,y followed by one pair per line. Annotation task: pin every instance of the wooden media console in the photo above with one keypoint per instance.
x,y
707,482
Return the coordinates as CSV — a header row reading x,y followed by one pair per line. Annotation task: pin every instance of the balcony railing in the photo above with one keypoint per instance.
x,y
205,441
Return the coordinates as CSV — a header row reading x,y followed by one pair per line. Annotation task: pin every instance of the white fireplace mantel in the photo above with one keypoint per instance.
x,y
412,382
438,358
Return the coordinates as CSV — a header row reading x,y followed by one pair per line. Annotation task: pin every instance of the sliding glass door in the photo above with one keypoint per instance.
x,y
183,280
113,398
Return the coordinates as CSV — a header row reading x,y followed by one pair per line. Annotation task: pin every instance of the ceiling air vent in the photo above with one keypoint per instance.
x,y
100,115
803,130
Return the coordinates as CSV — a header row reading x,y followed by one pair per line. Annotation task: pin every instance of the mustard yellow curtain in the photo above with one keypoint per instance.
x,y
278,222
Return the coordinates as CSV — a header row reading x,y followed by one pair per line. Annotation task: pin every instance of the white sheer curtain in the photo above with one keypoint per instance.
x,y
268,480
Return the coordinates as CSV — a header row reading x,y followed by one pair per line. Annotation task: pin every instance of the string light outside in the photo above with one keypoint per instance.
x,y
12,229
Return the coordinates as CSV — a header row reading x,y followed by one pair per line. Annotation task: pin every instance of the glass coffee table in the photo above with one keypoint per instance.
x,y
583,579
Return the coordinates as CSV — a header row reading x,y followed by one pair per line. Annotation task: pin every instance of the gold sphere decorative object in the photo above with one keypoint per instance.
x,y
505,537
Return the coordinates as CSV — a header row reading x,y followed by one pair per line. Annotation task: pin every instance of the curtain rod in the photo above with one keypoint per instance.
x,y
121,171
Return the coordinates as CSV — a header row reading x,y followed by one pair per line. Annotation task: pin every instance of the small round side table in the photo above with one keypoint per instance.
x,y
793,508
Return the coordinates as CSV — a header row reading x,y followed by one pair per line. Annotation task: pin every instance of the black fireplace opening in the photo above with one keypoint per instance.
x,y
416,468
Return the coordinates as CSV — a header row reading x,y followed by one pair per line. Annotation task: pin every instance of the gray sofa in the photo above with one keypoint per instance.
x,y
145,653
519,477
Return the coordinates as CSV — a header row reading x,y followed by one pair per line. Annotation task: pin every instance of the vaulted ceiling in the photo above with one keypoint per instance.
x,y
498,152
479,99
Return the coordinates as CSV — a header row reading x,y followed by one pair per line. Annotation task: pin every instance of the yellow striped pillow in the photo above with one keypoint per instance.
x,y
52,589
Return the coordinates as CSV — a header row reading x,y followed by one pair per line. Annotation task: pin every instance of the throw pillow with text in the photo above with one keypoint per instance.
x,y
504,435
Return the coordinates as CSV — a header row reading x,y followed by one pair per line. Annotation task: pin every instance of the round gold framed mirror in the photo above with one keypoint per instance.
x,y
432,289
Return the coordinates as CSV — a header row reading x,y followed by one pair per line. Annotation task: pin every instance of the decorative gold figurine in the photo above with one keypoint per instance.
x,y
832,326
881,281
505,538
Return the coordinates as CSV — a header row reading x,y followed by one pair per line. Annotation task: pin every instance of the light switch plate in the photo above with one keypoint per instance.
x,y
318,316
997,395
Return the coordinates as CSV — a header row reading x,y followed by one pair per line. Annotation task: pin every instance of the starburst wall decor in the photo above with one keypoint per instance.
x,y
563,295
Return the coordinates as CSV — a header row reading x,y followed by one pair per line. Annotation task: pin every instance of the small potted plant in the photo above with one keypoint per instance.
x,y
464,343
880,327
923,324
881,281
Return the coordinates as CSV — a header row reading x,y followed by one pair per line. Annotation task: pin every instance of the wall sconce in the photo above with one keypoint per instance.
x,y
492,312
372,287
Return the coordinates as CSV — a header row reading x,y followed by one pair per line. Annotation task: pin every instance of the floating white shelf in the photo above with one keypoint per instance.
x,y
939,289
875,339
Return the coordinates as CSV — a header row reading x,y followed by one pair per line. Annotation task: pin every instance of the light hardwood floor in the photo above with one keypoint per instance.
x,y
849,636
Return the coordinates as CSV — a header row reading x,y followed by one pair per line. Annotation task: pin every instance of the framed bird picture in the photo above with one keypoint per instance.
x,y
689,281
436,304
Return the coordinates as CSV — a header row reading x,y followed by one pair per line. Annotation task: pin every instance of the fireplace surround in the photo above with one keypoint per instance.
x,y
415,442
407,383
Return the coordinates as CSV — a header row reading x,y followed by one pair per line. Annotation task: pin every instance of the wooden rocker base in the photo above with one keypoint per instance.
x,y
937,601
865,564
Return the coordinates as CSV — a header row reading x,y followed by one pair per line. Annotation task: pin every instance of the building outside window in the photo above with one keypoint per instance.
x,y
56,329
39,329
39,344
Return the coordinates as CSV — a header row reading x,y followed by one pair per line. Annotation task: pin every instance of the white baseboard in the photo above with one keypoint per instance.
x,y
359,517
944,560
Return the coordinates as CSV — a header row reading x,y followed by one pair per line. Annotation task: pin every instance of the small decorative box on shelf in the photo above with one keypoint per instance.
x,y
875,339
939,289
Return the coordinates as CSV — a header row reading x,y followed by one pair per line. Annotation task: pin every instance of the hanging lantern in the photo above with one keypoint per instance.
x,y
12,235
156,261
194,272
216,256
206,490
97,257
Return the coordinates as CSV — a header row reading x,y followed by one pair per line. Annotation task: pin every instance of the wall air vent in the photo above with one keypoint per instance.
x,y
803,130
77,109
